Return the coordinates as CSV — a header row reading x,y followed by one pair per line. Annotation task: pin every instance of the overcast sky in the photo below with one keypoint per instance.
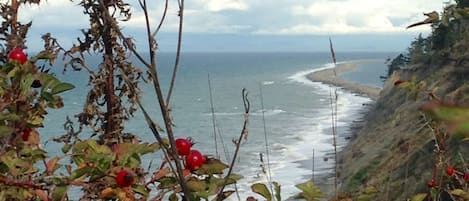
x,y
257,25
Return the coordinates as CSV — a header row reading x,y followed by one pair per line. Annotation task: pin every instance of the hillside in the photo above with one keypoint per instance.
x,y
393,156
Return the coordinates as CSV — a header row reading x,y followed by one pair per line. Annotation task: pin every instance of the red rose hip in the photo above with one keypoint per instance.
x,y
26,133
124,178
431,183
194,160
17,55
450,171
183,146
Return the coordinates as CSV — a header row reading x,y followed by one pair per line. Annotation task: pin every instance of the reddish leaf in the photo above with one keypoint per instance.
x,y
51,165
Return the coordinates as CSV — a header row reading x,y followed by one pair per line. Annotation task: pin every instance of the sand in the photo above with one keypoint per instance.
x,y
332,77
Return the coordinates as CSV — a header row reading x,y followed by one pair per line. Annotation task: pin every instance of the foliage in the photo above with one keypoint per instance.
x,y
262,190
397,63
419,50
95,164
455,117
309,191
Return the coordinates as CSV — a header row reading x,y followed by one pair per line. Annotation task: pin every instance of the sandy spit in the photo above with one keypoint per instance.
x,y
332,76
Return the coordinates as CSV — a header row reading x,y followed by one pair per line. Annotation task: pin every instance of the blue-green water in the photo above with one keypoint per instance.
x,y
297,111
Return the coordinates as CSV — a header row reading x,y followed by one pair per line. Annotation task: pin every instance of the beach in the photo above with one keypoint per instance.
x,y
332,76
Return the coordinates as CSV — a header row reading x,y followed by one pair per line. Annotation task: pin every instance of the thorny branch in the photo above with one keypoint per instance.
x,y
243,135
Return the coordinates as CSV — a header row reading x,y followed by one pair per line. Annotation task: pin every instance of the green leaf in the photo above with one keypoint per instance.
x,y
59,193
61,87
173,197
225,195
140,190
48,96
13,71
146,148
49,81
212,166
196,185
80,172
167,182
434,193
36,121
262,190
10,162
9,117
25,84
457,118
278,196
5,131
235,177
38,154
365,197
419,197
460,193
66,148
309,191
43,55
97,148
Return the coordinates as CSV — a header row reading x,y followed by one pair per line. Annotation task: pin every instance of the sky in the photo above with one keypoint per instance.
x,y
253,25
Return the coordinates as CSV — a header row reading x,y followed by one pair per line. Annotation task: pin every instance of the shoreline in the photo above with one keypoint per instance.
x,y
331,76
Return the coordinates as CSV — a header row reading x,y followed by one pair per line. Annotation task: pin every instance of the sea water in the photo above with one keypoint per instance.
x,y
296,111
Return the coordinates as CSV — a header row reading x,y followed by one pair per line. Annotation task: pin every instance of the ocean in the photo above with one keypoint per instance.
x,y
296,110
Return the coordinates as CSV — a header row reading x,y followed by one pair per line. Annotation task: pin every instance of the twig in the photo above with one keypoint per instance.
x,y
164,106
269,175
213,117
334,136
163,17
22,184
334,119
178,52
312,168
244,131
153,127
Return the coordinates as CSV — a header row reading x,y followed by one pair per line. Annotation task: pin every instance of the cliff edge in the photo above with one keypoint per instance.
x,y
394,154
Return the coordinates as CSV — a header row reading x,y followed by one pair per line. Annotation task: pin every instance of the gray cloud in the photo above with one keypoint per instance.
x,y
250,17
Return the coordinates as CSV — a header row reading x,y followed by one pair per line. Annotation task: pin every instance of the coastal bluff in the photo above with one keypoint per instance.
x,y
393,153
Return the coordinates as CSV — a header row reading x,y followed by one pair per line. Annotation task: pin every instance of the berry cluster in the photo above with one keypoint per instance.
x,y
451,172
194,159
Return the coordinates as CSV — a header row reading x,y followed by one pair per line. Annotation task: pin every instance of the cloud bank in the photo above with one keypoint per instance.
x,y
285,17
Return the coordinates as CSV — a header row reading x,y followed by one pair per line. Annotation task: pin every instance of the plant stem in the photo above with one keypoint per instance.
x,y
266,140
213,117
164,106
243,134
178,52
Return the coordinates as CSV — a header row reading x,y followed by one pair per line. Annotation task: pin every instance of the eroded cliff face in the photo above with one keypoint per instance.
x,y
394,153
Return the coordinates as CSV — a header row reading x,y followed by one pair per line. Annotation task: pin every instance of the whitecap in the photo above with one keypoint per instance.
x,y
268,82
268,112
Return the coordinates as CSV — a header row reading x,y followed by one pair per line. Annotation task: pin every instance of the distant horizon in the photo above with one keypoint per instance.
x,y
196,42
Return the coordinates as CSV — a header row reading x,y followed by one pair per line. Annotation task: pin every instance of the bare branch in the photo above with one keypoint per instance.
x,y
163,106
243,135
178,51
163,17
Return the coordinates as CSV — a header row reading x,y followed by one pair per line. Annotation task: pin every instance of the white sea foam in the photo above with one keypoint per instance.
x,y
300,77
268,112
268,82
311,133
